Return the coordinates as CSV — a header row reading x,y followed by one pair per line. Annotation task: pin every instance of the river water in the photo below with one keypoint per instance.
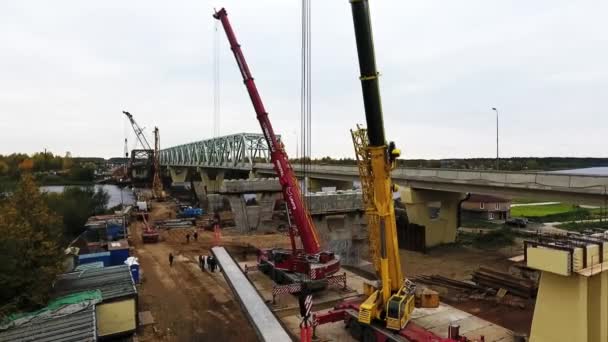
x,y
593,171
117,195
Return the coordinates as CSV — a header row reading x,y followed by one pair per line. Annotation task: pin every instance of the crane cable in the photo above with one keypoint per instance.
x,y
216,80
305,96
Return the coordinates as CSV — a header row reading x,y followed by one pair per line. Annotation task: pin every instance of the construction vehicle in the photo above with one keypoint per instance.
x,y
392,299
308,265
149,232
141,164
387,309
157,186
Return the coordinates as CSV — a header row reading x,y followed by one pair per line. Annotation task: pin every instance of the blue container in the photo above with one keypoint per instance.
x,y
95,257
192,212
135,272
118,256
119,252
114,231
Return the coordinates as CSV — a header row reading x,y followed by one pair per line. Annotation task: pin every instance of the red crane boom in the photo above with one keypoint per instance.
x,y
287,178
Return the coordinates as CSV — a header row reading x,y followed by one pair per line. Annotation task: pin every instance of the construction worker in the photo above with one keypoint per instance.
x,y
171,259
195,236
212,264
187,238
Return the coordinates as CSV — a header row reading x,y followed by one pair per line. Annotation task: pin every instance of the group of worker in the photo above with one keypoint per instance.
x,y
209,261
194,236
204,262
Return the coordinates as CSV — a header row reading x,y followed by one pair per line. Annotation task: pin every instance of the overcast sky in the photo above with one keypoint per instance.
x,y
68,69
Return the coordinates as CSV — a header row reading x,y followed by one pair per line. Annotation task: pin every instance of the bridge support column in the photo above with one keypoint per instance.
x,y
212,179
437,211
316,185
199,190
178,175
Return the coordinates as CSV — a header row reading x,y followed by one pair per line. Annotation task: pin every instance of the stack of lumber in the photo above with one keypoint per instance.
x,y
442,281
487,277
175,223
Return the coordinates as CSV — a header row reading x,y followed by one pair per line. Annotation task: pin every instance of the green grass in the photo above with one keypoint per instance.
x,y
580,226
541,210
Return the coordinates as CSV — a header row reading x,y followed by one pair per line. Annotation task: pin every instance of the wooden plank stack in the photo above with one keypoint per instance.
x,y
487,277
442,281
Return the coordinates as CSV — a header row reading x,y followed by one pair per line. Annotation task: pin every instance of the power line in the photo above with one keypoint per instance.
x,y
305,93
216,81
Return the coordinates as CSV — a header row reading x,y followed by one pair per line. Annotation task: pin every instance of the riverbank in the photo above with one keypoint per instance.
x,y
117,195
10,183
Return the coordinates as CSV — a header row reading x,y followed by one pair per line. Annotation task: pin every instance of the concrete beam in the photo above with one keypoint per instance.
x,y
266,324
252,185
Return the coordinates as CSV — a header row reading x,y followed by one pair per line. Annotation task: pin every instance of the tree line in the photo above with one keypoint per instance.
x,y
47,168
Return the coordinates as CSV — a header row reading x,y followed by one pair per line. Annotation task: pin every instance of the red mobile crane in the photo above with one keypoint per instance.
x,y
308,264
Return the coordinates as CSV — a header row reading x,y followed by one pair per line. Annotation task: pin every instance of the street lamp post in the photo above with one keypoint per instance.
x,y
497,160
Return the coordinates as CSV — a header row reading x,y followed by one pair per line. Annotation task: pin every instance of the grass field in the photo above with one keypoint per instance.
x,y
541,210
580,226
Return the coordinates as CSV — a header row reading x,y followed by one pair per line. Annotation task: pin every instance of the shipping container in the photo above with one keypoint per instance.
x,y
119,252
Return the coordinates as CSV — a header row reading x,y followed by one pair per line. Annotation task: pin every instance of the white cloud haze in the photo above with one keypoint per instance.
x,y
68,69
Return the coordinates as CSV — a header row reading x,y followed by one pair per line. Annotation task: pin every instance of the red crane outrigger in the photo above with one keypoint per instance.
x,y
310,263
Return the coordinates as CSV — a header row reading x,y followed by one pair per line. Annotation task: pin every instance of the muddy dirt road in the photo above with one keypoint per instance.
x,y
187,304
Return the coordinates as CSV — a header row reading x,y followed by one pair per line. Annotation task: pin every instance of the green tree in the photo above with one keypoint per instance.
x,y
3,168
30,250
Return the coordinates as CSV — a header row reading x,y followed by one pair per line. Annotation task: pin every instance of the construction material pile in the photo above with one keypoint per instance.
x,y
490,278
175,223
486,281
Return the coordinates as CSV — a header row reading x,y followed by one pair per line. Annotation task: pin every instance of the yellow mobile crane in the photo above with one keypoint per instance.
x,y
392,299
385,312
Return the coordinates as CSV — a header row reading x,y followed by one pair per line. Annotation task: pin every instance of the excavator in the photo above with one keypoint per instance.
x,y
308,265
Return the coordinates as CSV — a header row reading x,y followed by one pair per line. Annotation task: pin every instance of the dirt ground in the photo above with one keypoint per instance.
x,y
458,262
187,304
193,305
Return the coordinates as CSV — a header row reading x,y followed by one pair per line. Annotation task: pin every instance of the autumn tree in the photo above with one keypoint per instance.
x,y
30,251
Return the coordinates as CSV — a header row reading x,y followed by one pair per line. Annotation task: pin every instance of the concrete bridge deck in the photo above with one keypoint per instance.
x,y
539,185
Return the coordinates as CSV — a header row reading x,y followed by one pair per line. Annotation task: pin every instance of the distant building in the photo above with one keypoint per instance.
x,y
486,207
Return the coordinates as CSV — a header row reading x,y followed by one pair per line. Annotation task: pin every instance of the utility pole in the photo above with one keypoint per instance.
x,y
497,160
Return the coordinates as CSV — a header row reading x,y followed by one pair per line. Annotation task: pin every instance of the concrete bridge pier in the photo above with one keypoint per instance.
x,y
437,211
257,215
178,174
212,179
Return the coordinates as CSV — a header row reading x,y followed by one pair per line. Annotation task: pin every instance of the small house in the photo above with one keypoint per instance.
x,y
486,207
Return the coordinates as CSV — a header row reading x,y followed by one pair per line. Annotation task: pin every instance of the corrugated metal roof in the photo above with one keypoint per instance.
x,y
78,326
113,282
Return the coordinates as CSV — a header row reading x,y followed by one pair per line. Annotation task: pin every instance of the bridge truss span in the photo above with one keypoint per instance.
x,y
236,151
